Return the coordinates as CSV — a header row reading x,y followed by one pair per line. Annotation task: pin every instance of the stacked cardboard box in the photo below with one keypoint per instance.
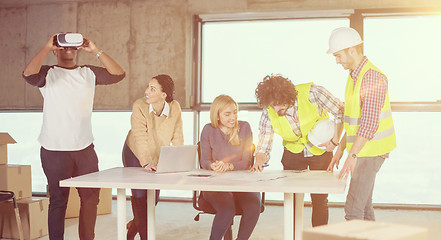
x,y
15,178
33,212
5,139
104,206
33,215
365,230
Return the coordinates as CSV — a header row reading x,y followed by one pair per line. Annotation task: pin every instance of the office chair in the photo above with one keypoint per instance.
x,y
204,207
6,196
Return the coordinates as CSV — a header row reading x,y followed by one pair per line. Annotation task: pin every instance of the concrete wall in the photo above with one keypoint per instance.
x,y
146,37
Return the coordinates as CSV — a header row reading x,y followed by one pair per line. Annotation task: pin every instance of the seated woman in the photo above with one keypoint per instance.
x,y
226,145
155,122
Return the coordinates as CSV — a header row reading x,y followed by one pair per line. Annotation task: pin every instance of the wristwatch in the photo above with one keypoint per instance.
x,y
354,156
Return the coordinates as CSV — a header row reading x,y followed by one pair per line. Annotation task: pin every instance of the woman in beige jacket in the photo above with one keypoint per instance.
x,y
156,121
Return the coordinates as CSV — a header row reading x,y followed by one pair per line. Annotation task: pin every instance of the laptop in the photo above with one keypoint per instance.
x,y
177,159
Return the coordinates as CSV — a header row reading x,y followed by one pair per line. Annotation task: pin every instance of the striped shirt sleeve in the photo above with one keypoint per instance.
x,y
323,99
266,134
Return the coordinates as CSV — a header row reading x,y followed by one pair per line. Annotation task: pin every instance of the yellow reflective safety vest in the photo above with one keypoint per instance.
x,y
384,139
308,115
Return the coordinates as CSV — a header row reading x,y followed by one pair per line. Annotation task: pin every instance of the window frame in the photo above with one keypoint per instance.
x,y
356,21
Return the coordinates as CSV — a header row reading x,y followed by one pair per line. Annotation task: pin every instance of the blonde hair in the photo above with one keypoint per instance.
x,y
219,104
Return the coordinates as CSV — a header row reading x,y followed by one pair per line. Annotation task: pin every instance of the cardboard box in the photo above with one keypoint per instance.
x,y
5,139
73,203
33,216
365,230
16,178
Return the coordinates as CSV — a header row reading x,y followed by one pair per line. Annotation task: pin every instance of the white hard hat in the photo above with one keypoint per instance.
x,y
322,132
342,38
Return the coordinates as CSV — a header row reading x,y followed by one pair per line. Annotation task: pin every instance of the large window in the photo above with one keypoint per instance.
x,y
407,49
236,55
409,55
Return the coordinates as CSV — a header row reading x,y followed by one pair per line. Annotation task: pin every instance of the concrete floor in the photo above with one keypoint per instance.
x,y
175,221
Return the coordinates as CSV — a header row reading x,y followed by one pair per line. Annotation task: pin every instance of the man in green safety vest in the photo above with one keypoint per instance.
x,y
291,111
370,135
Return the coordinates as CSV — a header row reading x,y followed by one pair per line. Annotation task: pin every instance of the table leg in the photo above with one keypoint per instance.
x,y
288,215
151,195
121,213
299,205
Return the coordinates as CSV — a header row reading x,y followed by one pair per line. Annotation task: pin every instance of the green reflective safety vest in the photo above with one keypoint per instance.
x,y
384,139
308,116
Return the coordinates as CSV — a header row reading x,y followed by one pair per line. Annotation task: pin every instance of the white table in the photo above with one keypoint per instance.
x,y
288,182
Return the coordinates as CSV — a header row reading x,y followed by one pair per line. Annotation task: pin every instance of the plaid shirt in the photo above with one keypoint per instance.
x,y
373,92
318,96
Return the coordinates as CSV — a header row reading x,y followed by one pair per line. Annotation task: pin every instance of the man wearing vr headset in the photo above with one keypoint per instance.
x,y
66,139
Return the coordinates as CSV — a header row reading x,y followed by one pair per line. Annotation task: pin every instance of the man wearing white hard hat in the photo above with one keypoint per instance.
x,y
299,113
370,135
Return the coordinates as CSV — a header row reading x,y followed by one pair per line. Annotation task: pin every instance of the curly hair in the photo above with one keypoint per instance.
x,y
275,90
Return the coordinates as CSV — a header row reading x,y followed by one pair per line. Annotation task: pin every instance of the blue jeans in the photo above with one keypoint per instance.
x,y
60,165
139,197
359,199
225,204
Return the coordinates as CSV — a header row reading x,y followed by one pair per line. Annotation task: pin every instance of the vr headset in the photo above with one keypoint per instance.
x,y
68,40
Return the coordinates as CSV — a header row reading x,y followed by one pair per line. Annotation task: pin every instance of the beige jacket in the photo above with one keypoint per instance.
x,y
149,132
